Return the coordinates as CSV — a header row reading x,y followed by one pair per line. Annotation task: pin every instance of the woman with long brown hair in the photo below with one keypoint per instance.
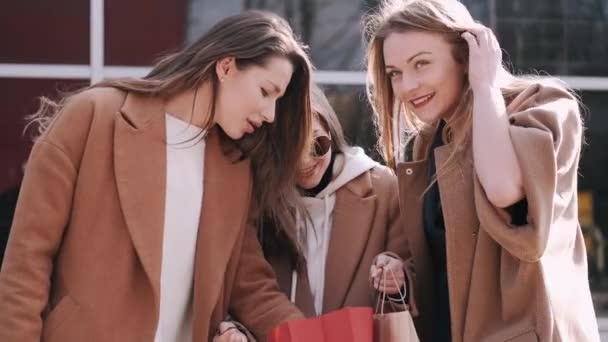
x,y
134,218
487,166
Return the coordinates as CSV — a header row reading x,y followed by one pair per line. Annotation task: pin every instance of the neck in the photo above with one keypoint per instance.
x,y
192,106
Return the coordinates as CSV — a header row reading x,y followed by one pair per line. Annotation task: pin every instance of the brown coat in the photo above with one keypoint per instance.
x,y
84,255
365,224
506,282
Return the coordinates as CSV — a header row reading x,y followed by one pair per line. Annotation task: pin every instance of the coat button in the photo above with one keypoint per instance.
x,y
409,171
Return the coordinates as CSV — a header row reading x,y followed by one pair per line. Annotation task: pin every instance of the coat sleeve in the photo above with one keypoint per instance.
x,y
256,300
41,216
546,132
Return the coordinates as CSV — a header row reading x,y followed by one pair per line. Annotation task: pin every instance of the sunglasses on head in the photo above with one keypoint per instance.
x,y
321,145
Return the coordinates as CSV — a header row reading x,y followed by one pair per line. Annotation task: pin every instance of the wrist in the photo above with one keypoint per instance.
x,y
486,90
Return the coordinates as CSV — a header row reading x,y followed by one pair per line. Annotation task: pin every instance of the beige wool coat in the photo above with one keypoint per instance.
x,y
365,224
84,255
506,282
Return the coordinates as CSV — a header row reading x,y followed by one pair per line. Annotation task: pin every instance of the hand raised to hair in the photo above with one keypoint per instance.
x,y
485,57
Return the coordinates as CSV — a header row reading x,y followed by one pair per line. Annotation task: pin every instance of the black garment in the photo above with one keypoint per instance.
x,y
8,202
434,229
325,180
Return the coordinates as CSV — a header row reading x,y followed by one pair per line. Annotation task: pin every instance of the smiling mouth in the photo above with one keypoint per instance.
x,y
422,100
307,172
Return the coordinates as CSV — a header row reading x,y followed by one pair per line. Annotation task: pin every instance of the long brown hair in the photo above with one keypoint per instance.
x,y
328,118
251,37
276,242
449,18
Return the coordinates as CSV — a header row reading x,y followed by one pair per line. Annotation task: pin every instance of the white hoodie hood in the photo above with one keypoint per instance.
x,y
347,166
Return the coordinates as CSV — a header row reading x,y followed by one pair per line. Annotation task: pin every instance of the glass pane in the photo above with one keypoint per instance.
x,y
44,32
138,32
332,29
559,37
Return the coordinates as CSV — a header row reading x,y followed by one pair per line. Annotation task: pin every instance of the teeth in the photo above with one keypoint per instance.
x,y
419,101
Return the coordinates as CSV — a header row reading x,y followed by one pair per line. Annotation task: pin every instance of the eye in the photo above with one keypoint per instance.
x,y
393,73
264,92
420,64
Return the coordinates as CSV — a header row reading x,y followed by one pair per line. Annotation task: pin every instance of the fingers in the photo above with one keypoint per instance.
x,y
386,274
228,332
398,281
237,337
231,335
376,269
225,325
382,260
482,36
471,40
390,290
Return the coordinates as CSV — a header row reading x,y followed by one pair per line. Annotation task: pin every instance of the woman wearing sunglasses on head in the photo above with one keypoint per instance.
x,y
349,219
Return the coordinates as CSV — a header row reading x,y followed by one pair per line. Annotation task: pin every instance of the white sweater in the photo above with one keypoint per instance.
x,y
184,194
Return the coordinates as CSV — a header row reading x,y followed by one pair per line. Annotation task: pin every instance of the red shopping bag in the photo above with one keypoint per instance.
x,y
351,324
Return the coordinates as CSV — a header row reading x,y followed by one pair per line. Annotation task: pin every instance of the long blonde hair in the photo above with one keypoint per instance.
x,y
449,18
251,37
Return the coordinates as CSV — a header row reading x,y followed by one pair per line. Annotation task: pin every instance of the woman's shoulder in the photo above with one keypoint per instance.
x,y
526,94
383,177
80,108
80,114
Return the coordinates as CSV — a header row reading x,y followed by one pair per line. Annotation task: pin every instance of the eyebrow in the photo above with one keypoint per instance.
x,y
410,59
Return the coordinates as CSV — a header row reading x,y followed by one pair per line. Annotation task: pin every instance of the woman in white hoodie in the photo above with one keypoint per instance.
x,y
348,228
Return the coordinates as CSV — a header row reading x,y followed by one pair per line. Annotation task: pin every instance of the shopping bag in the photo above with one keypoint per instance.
x,y
397,326
350,324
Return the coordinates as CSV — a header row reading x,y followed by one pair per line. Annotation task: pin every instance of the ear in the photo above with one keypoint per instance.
x,y
224,67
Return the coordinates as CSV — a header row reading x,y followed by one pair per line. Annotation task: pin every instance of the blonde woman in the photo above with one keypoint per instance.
x,y
487,165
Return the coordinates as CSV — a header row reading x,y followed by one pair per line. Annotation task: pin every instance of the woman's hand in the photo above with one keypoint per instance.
x,y
485,57
387,274
228,332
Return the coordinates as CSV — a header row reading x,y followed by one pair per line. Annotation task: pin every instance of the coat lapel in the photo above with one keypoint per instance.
x,y
140,167
226,201
283,272
413,176
461,227
352,221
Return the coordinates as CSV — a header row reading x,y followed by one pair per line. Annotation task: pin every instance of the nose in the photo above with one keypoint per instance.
x,y
269,113
406,86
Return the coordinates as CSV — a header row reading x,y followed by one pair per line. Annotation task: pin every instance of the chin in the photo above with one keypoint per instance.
x,y
428,118
311,184
234,134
